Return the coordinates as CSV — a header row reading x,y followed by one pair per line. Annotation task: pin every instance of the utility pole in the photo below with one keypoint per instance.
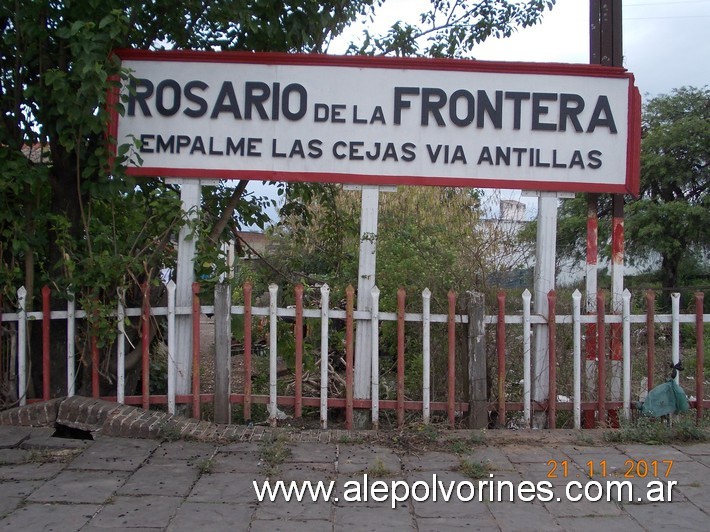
x,y
606,48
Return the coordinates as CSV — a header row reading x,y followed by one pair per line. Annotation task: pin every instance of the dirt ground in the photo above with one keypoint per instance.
x,y
207,360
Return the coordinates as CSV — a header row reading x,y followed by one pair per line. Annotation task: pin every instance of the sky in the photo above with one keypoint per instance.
x,y
665,44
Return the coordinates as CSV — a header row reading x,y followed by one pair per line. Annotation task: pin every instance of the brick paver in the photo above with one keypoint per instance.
x,y
118,482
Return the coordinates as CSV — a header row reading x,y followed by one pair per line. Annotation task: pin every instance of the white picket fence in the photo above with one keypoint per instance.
x,y
373,318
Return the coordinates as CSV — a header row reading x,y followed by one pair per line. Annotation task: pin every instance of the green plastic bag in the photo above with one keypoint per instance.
x,y
664,399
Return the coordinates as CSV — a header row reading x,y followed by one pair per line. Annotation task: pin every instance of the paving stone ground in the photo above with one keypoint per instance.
x,y
48,483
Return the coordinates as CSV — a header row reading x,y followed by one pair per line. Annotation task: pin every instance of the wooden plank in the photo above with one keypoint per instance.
x,y
478,393
223,343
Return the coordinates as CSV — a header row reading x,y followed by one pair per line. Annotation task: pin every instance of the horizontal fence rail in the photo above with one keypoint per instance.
x,y
608,384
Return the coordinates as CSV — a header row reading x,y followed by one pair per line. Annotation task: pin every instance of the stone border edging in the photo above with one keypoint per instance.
x,y
114,419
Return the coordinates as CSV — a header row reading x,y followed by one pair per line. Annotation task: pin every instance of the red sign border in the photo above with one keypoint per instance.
x,y
633,148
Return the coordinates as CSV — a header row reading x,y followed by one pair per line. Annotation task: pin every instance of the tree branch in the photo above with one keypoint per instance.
x,y
228,211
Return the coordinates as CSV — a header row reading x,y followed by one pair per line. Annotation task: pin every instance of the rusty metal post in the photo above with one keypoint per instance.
x,y
94,365
650,338
699,357
452,359
500,343
601,362
552,342
196,350
145,346
298,376
400,357
349,347
247,352
46,317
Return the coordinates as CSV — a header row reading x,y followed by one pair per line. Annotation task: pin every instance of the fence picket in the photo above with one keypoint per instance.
x,y
172,363
121,349
650,338
451,408
71,353
699,356
426,355
19,356
527,384
247,352
46,372
601,361
196,406
675,350
22,346
375,373
349,352
400,356
324,307
552,363
298,373
626,356
500,345
577,357
273,353
145,345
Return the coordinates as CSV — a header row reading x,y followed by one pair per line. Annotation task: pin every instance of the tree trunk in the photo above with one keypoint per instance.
x,y
670,266
64,202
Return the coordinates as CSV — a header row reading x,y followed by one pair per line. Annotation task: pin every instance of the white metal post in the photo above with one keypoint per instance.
x,y
526,357
675,330
273,353
426,355
172,370
626,313
121,348
71,355
325,303
22,346
375,360
577,354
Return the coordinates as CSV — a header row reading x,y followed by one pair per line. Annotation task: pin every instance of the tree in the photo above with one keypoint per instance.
x,y
428,237
672,215
424,239
670,219
69,217
69,214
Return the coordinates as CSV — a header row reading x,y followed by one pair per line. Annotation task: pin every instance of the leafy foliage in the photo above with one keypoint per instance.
x,y
671,217
427,237
453,29
68,213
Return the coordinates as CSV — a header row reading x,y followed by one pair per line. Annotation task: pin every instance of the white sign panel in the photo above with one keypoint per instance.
x,y
381,121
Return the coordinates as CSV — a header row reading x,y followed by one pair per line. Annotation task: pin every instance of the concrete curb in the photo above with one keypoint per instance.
x,y
113,419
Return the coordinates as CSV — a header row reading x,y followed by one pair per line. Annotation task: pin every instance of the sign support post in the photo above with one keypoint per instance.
x,y
190,194
370,201
545,254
